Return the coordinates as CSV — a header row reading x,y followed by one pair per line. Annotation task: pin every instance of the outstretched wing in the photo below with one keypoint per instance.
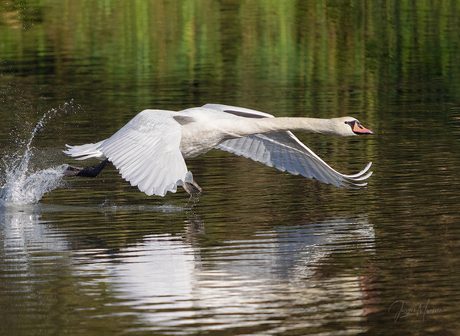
x,y
146,152
284,151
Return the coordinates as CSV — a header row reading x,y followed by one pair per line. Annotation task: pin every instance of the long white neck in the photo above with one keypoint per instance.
x,y
246,127
199,139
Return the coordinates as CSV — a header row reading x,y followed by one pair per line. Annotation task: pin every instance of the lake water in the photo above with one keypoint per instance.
x,y
262,252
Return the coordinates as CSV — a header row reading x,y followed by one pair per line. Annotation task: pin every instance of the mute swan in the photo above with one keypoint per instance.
x,y
149,151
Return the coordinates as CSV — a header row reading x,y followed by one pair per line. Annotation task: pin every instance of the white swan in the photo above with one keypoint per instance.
x,y
149,151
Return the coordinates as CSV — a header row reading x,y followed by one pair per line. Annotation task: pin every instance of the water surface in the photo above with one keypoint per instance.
x,y
262,252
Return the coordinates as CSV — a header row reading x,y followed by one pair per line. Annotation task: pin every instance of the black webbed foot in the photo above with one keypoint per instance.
x,y
193,188
86,171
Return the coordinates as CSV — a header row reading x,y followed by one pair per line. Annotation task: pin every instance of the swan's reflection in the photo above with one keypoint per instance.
x,y
23,232
271,280
270,276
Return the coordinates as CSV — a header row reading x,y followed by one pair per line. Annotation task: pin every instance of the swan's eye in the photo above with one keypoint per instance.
x,y
354,123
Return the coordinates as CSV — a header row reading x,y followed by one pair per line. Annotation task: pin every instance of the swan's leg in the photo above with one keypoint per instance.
x,y
192,188
87,171
194,191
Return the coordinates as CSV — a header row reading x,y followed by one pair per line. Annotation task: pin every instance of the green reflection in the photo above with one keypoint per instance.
x,y
316,48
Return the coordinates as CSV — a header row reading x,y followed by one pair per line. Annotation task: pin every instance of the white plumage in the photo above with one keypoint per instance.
x,y
149,151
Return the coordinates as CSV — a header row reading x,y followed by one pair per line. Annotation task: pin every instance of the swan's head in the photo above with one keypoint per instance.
x,y
349,126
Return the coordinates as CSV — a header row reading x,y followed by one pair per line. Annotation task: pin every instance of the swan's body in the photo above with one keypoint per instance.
x,y
149,150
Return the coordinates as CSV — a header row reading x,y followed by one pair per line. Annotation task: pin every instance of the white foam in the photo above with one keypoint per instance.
x,y
24,187
21,185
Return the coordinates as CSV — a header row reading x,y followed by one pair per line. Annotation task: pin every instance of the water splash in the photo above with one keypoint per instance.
x,y
23,187
19,183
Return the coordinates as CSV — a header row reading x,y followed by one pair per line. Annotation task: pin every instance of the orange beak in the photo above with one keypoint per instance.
x,y
359,129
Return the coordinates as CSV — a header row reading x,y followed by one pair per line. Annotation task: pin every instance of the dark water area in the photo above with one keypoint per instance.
x,y
262,252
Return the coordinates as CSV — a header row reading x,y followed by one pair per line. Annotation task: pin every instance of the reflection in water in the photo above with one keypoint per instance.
x,y
23,232
31,252
271,281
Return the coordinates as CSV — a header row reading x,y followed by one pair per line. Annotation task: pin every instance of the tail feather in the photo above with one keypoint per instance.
x,y
84,152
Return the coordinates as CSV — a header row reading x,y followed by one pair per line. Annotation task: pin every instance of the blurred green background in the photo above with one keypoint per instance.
x,y
329,55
